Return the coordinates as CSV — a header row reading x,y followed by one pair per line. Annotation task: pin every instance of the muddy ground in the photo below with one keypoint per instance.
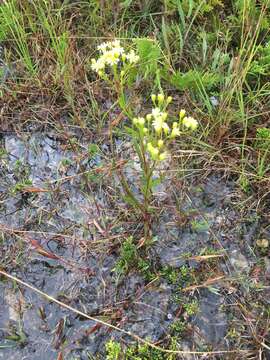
x,y
62,226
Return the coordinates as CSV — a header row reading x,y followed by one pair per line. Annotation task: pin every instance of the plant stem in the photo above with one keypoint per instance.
x,y
128,192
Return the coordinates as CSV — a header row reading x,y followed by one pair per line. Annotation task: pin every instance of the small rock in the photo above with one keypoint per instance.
x,y
239,261
262,243
214,101
170,257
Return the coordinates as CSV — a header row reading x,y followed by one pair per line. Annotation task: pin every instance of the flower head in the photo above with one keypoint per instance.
x,y
135,121
169,99
175,130
132,57
153,151
148,117
111,57
160,143
158,124
103,47
164,116
190,123
141,121
160,98
156,112
97,65
112,53
166,128
163,156
115,43
145,131
182,114
153,97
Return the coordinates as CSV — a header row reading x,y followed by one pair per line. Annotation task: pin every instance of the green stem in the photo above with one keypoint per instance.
x,y
148,190
129,193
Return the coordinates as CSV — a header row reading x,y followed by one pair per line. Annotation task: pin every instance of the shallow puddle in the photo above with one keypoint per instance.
x,y
56,236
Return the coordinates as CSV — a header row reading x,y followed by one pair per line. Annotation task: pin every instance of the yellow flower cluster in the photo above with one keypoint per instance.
x,y
155,130
112,53
188,121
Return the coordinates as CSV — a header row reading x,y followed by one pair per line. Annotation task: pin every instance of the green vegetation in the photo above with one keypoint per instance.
x,y
211,56
139,352
184,87
131,258
220,67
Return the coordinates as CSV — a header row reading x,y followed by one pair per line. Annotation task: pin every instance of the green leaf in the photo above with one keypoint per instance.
x,y
93,149
150,54
199,225
133,133
129,200
155,182
193,79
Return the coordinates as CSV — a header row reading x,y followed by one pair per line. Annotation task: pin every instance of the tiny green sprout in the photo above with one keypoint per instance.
x,y
232,333
128,256
113,350
184,270
263,133
66,162
178,327
144,268
199,225
170,274
93,149
3,152
18,165
21,185
191,308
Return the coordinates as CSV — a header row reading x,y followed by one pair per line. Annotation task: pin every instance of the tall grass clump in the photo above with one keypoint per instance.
x,y
53,25
12,22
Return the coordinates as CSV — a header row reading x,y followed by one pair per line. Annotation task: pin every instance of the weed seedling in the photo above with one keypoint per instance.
x,y
191,308
178,327
113,350
128,256
170,274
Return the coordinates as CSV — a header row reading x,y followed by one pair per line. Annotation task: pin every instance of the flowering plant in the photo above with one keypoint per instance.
x,y
151,134
113,65
111,55
156,130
